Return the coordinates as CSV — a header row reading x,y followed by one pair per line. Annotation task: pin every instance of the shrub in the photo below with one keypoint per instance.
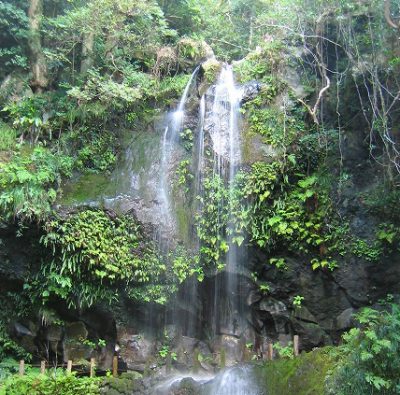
x,y
59,383
372,356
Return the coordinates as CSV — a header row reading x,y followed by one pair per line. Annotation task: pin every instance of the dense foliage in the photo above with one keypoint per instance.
x,y
52,384
371,363
75,75
96,256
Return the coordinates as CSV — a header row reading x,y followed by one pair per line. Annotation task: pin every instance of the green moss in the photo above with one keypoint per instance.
x,y
304,375
183,221
211,70
87,188
124,385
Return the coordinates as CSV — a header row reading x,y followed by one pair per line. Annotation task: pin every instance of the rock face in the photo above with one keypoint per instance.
x,y
74,345
215,323
135,349
250,90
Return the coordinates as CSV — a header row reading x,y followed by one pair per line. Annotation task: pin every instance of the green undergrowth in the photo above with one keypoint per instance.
x,y
50,384
366,363
93,255
30,181
57,382
303,375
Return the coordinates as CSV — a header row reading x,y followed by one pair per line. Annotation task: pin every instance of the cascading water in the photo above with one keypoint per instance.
x,y
223,127
170,137
218,133
239,380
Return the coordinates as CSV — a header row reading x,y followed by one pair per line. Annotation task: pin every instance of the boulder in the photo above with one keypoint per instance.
x,y
311,335
303,314
345,320
276,311
54,333
135,349
250,91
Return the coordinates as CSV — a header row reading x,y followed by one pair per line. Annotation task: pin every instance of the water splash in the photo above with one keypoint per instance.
x,y
239,380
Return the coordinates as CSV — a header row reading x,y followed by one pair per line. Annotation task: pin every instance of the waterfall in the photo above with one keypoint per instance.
x,y
170,137
174,126
223,126
216,153
239,380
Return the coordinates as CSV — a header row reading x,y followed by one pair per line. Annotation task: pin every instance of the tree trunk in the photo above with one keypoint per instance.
x,y
39,80
111,42
87,52
388,16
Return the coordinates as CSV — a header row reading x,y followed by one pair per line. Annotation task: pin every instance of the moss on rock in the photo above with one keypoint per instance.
x,y
304,375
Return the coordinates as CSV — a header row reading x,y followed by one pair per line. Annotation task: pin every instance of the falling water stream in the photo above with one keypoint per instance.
x,y
174,126
223,126
218,128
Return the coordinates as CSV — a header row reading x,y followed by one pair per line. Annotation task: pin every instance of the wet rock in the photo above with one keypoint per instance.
x,y
277,311
21,330
172,332
229,348
210,70
250,91
345,320
76,330
135,349
303,314
311,335
54,333
253,297
74,346
186,386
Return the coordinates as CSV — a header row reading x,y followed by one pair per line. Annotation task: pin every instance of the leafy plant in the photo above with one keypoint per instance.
x,y
187,138
185,177
164,352
59,383
29,182
371,355
284,351
8,137
297,301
